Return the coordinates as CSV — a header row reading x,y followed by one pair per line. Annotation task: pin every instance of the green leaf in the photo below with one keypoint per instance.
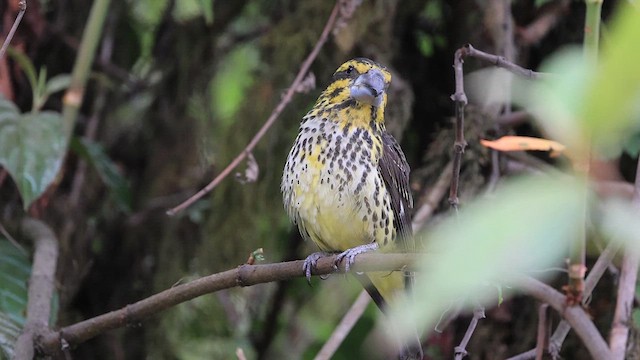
x,y
611,107
15,269
57,83
619,220
95,155
27,66
523,227
32,148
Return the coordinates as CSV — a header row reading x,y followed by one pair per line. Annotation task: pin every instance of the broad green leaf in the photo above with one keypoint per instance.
x,y
95,155
523,227
611,107
32,148
15,268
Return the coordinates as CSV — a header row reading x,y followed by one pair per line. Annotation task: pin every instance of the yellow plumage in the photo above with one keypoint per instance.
x,y
345,182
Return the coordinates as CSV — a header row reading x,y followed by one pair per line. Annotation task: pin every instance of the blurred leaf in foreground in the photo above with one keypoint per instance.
x,y
523,227
611,107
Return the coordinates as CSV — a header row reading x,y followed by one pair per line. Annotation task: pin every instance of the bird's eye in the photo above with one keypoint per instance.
x,y
350,70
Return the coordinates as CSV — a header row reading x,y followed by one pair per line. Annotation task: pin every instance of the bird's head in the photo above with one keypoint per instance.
x,y
360,80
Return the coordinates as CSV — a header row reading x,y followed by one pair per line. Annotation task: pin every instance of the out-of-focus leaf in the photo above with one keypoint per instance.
x,y
611,107
57,83
620,222
32,147
425,44
557,100
228,88
95,155
524,226
186,10
9,332
632,145
15,269
522,143
26,65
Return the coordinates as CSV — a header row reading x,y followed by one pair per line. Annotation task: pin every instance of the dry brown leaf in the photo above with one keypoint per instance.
x,y
522,143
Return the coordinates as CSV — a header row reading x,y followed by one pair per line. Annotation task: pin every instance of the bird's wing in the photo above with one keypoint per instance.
x,y
394,169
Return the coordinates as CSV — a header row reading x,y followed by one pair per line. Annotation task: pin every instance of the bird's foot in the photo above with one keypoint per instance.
x,y
350,254
311,262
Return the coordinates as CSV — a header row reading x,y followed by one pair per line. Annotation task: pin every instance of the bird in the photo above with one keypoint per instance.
x,y
345,182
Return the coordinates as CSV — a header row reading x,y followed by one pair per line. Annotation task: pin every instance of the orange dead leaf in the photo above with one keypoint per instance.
x,y
521,143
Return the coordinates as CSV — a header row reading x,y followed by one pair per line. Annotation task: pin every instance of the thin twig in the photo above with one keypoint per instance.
x,y
460,99
244,275
41,284
23,7
514,118
542,341
501,62
535,31
286,99
432,198
461,349
346,324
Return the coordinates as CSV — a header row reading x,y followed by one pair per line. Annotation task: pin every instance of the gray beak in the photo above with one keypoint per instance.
x,y
369,88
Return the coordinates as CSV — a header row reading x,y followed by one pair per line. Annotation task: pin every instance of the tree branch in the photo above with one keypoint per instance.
x,y
243,275
561,332
626,290
461,349
22,4
41,285
286,99
574,315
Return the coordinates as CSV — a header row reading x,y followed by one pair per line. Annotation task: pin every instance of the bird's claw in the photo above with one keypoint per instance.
x,y
350,254
311,262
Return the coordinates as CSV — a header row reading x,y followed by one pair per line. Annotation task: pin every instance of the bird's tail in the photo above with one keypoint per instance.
x,y
382,286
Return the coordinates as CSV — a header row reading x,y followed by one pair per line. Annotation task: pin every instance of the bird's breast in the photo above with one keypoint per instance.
x,y
332,185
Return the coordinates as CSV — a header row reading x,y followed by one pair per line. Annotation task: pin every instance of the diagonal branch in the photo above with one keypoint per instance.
x,y
286,99
41,284
23,7
574,315
243,275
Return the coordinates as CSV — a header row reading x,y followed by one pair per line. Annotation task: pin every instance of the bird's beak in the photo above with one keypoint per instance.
x,y
369,88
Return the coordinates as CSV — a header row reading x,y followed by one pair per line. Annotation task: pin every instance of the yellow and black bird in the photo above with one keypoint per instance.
x,y
346,180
